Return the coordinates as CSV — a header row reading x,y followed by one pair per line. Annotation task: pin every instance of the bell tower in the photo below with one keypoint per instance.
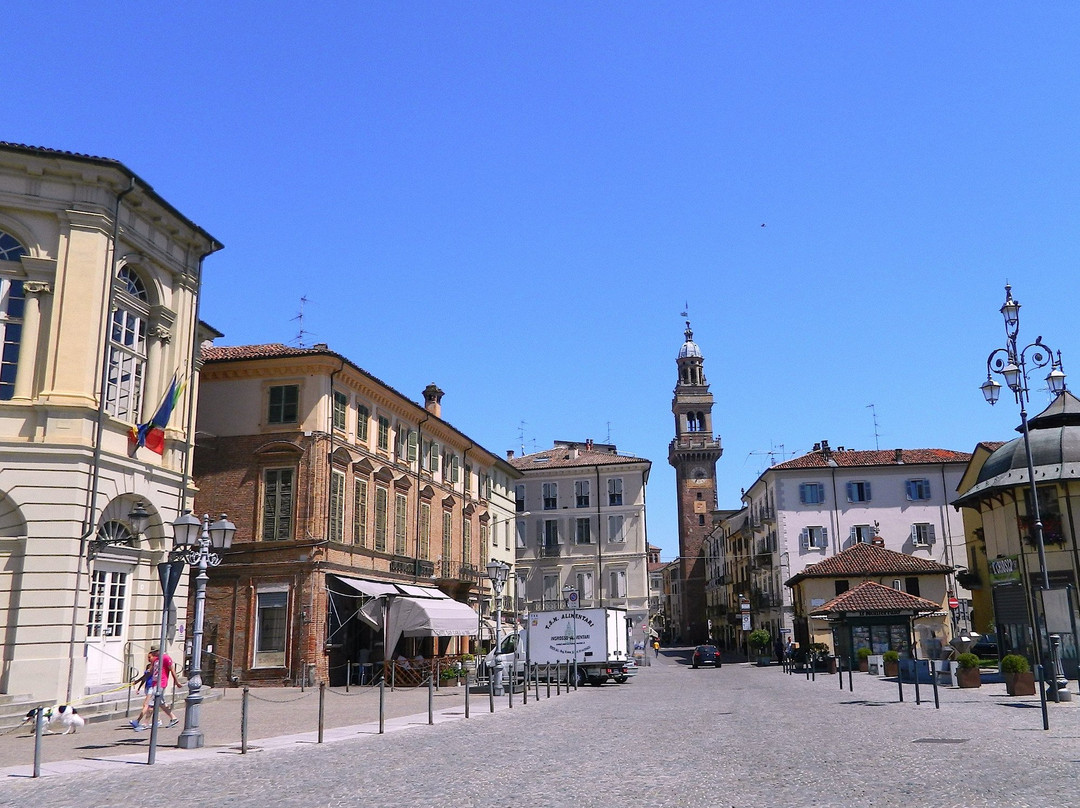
x,y
693,453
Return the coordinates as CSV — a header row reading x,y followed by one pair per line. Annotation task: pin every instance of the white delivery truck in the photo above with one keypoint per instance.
x,y
593,638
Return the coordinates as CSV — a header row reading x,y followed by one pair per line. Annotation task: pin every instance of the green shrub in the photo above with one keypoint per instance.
x,y
891,656
967,661
863,653
1014,663
760,639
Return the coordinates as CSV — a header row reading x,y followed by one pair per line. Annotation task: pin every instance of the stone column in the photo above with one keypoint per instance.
x,y
28,345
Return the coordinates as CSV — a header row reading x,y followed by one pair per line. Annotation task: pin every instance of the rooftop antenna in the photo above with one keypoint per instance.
x,y
608,438
521,436
299,318
873,411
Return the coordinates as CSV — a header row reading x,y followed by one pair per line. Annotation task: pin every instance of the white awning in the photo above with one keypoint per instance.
x,y
419,617
366,586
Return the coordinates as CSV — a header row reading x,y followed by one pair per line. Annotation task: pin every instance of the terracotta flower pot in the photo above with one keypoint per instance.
x,y
1020,684
892,668
864,665
968,677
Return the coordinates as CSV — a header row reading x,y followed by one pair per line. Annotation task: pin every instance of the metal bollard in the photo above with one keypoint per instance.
x,y
851,686
468,687
382,705
39,728
510,689
348,673
840,671
547,676
536,681
1042,695
525,686
933,681
918,697
491,692
900,684
244,722
430,699
322,709
558,678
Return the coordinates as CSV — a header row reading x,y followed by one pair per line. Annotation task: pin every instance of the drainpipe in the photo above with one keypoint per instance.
x,y
89,521
599,551
330,454
419,465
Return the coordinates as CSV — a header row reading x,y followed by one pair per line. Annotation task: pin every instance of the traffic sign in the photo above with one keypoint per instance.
x,y
954,603
572,597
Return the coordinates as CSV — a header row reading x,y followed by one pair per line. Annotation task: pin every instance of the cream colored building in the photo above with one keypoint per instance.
x,y
584,527
98,310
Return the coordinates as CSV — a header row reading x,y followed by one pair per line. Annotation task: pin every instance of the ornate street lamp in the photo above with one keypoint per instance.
x,y
1013,365
497,572
198,544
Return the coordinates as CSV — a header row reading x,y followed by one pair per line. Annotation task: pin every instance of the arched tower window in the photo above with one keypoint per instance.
x,y
11,316
691,422
127,347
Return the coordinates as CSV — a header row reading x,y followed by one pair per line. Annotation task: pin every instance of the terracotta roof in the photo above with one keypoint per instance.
x,y
560,458
226,353
872,597
873,457
870,559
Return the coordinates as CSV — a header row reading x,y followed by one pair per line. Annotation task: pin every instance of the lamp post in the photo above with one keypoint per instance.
x,y
197,544
570,594
138,521
497,572
1012,364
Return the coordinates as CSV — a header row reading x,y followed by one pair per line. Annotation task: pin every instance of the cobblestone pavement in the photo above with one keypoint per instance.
x,y
739,736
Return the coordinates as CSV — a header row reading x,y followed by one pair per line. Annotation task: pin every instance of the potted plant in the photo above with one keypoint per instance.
x,y
892,663
967,671
863,654
761,641
1019,679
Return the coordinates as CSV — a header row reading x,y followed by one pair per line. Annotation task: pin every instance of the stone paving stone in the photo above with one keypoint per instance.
x,y
739,736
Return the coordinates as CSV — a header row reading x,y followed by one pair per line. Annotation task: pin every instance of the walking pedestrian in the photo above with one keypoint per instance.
x,y
656,648
162,668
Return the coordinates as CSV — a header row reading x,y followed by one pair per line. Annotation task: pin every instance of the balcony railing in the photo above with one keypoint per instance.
x,y
412,566
548,551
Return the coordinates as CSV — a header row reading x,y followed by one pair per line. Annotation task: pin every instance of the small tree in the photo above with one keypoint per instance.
x,y
760,639
1014,663
968,660
863,653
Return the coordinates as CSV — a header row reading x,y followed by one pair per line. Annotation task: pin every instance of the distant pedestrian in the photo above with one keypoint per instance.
x,y
656,648
161,667
778,650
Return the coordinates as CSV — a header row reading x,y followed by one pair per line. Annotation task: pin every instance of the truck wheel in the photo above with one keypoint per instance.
x,y
596,681
620,679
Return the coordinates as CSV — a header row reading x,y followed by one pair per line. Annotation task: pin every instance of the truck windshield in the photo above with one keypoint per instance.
x,y
509,644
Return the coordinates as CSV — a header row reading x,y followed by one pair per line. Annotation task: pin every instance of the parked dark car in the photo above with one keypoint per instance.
x,y
986,647
705,655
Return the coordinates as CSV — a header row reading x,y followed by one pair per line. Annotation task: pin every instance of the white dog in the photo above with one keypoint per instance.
x,y
63,714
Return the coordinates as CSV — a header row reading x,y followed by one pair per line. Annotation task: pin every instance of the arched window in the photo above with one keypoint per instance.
x,y
127,348
11,316
691,422
701,422
116,532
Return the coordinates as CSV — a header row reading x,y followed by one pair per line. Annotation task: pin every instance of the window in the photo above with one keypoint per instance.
x,y
284,404
519,498
414,446
918,489
911,586
277,504
493,530
551,533
922,534
614,491
552,595
455,468
401,505
383,438
581,493
127,348
841,586
615,529
382,502
468,478
701,519
814,538
433,457
341,405
811,493
108,591
551,496
337,506
11,314
861,534
363,415
270,628
447,536
359,520
10,248
466,542
581,531
425,530
617,586
858,491
584,582
519,530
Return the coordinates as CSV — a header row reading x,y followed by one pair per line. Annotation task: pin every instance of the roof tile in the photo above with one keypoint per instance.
x,y
870,596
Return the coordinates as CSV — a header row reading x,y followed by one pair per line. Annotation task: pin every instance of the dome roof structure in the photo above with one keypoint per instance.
x,y
689,348
1055,452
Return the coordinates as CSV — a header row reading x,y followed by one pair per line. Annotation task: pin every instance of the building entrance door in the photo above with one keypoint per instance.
x,y
106,627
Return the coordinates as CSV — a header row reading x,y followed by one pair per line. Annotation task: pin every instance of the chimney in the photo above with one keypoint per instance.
x,y
825,450
509,454
817,447
433,400
588,444
573,455
877,541
899,455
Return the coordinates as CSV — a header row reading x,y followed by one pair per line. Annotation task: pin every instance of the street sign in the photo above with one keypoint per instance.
x,y
572,597
746,622
954,603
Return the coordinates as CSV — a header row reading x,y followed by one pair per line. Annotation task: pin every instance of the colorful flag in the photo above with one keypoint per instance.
x,y
152,433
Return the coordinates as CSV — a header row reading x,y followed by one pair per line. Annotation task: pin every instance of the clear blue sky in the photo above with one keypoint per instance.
x,y
515,200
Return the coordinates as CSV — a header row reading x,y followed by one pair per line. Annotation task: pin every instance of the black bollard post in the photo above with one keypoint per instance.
x,y
1042,696
900,684
467,689
244,722
547,677
348,674
558,678
491,691
39,729
918,697
851,686
430,698
933,681
322,708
